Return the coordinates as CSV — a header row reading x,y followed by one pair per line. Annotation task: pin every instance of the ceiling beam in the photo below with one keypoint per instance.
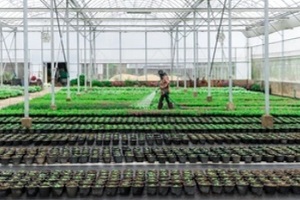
x,y
140,19
162,10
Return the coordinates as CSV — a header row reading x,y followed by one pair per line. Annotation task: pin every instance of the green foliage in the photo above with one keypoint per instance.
x,y
130,83
73,82
256,87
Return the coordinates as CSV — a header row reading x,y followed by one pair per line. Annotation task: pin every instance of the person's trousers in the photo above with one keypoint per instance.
x,y
161,99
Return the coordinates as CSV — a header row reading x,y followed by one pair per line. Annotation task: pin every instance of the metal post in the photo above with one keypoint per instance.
x,y
68,53
195,52
85,65
267,119
120,54
266,64
172,55
208,50
177,56
230,50
26,61
184,54
146,56
282,58
91,57
1,56
95,67
42,60
52,58
78,60
16,60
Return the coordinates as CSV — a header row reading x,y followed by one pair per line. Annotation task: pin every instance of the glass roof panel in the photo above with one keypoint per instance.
x,y
88,11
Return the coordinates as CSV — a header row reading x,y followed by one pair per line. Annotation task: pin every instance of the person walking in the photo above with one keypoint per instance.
x,y
164,86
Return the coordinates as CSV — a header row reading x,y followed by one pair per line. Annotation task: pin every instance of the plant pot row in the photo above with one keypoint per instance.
x,y
151,120
152,182
106,139
41,155
146,128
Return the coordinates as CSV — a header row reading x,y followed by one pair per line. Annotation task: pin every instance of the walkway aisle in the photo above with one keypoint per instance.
x,y
15,100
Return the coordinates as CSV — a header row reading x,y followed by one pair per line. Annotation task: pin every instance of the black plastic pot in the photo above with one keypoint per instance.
x,y
270,188
137,189
16,159
242,188
4,190
32,190
57,190
257,189
203,158
71,189
229,188
16,191
295,188
84,190
124,189
45,190
176,189
236,158
217,188
283,188
225,158
204,188
151,189
163,189
189,188
151,158
111,190
97,190
118,158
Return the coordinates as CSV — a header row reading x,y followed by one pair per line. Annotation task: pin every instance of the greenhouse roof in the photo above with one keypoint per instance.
x,y
142,15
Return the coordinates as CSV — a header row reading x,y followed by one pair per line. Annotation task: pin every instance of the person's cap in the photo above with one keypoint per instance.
x,y
160,72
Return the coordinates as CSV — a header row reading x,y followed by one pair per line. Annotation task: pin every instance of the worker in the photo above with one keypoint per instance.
x,y
164,86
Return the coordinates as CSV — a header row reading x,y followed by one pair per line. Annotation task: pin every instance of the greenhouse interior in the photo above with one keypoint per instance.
x,y
130,99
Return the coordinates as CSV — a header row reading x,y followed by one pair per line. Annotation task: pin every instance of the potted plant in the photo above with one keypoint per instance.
x,y
57,189
98,189
189,187
72,188
4,189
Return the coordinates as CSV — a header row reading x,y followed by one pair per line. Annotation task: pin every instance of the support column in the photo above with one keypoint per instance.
x,y
177,57
1,56
16,57
120,54
230,104
195,53
209,97
95,74
267,119
26,121
146,56
282,68
68,53
184,56
85,65
53,106
91,57
172,55
78,59
45,81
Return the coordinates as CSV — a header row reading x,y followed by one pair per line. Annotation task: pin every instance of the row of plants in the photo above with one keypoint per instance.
x,y
123,101
149,139
128,154
148,128
151,120
152,182
98,98
243,100
14,91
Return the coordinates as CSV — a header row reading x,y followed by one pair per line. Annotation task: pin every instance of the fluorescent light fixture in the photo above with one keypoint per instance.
x,y
139,13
